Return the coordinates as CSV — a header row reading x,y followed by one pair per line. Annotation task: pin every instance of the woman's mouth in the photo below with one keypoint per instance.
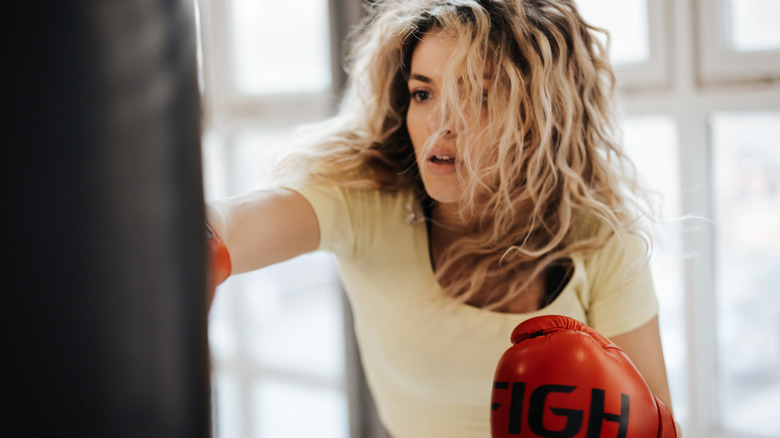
x,y
441,163
443,159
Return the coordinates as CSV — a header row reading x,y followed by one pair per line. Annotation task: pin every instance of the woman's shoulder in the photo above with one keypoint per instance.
x,y
606,250
359,199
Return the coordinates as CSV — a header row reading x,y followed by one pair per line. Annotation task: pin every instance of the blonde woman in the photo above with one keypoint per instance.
x,y
471,180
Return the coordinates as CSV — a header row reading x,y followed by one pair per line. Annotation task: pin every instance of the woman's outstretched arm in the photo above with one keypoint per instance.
x,y
264,227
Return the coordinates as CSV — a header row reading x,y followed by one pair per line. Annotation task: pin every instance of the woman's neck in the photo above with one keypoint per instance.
x,y
446,228
446,216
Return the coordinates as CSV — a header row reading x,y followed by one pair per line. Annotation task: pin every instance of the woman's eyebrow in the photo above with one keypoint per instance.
x,y
421,78
427,80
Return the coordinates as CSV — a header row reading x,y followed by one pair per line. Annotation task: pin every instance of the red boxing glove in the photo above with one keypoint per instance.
x,y
562,379
219,262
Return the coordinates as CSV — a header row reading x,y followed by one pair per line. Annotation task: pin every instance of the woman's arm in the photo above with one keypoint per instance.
x,y
643,347
264,227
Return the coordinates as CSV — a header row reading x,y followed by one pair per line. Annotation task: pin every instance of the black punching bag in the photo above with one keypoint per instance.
x,y
104,297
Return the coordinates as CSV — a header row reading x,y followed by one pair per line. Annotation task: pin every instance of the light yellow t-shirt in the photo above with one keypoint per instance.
x,y
429,362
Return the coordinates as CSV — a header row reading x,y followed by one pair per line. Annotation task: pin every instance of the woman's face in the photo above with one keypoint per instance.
x,y
440,163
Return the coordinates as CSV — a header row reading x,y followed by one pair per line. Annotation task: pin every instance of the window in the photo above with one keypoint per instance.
x,y
280,47
746,184
277,337
639,55
739,40
652,143
750,25
699,91
705,138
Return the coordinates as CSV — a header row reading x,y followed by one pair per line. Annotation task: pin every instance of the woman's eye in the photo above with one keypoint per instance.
x,y
420,95
484,96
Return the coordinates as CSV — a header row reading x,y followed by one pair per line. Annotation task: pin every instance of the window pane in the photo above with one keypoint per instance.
x,y
747,196
229,400
627,23
297,411
753,25
293,318
215,179
277,326
256,152
281,46
651,142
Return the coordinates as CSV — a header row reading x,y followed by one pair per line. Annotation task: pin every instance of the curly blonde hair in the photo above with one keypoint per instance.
x,y
546,177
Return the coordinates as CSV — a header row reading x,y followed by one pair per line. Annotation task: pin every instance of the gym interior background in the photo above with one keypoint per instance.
x,y
699,89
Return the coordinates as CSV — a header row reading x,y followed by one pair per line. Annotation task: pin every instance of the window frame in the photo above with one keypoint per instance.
x,y
690,99
719,63
225,107
227,114
655,72
690,75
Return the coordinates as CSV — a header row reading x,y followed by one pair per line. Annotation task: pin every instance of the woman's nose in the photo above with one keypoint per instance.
x,y
435,125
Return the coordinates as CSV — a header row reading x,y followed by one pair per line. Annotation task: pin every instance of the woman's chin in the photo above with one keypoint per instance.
x,y
447,197
444,189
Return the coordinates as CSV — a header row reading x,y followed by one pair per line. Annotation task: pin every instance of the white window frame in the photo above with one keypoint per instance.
x,y
225,107
719,63
227,112
655,72
691,73
700,86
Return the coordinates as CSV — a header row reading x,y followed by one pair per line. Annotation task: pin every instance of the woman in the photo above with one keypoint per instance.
x,y
470,181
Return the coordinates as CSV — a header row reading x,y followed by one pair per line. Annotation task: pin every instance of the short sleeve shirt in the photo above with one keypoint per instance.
x,y
429,360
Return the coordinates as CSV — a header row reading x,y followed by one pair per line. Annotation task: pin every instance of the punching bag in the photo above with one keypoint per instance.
x,y
104,297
